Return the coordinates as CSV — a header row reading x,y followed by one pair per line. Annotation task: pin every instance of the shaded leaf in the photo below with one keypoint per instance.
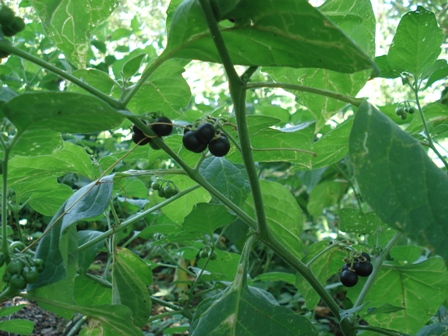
x,y
407,287
416,44
230,180
355,221
267,33
17,326
206,218
70,25
283,214
67,112
130,278
398,180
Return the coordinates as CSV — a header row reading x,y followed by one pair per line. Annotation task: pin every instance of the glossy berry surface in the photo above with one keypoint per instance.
x,y
205,132
163,129
363,268
137,137
349,278
192,143
220,146
366,255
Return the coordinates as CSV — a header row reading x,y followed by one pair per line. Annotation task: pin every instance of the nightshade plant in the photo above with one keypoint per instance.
x,y
371,170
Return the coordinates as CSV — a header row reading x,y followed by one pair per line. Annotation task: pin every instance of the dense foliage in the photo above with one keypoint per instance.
x,y
278,204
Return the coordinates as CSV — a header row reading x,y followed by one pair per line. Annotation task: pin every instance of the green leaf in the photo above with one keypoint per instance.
x,y
283,214
48,202
130,278
438,70
324,195
416,44
67,112
28,174
277,276
5,311
407,287
230,180
386,70
91,293
89,201
333,146
70,25
355,221
398,180
238,310
384,309
224,267
120,33
165,91
206,218
406,254
323,267
17,326
87,256
131,67
36,142
267,33
96,78
180,208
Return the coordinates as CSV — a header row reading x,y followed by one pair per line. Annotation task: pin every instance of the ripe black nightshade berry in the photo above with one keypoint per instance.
x,y
205,132
220,146
192,143
363,268
349,278
163,129
140,138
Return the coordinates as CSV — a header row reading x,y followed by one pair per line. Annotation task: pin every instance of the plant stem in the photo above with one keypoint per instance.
x,y
237,90
376,269
425,127
134,219
162,315
5,249
326,93
23,54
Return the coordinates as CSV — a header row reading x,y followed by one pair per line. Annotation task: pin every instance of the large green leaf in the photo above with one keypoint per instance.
x,y
206,218
165,91
89,201
399,181
408,287
70,24
283,214
180,208
130,278
230,180
416,44
67,112
240,310
17,326
268,33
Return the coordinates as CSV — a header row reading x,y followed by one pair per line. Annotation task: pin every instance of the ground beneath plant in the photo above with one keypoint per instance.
x,y
45,323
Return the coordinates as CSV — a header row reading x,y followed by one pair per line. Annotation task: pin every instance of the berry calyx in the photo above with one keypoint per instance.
x,y
349,278
220,146
164,128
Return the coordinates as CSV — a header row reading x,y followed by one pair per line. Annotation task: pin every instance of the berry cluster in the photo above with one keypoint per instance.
x,y
207,252
11,24
204,136
161,127
403,112
359,266
21,271
166,191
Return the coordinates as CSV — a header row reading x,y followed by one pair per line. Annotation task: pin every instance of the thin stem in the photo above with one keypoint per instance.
x,y
134,219
162,315
23,54
330,94
376,269
426,129
238,94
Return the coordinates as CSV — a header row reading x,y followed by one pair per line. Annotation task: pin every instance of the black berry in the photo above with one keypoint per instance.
x,y
192,143
220,146
6,16
163,129
349,278
366,255
140,139
205,132
363,268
